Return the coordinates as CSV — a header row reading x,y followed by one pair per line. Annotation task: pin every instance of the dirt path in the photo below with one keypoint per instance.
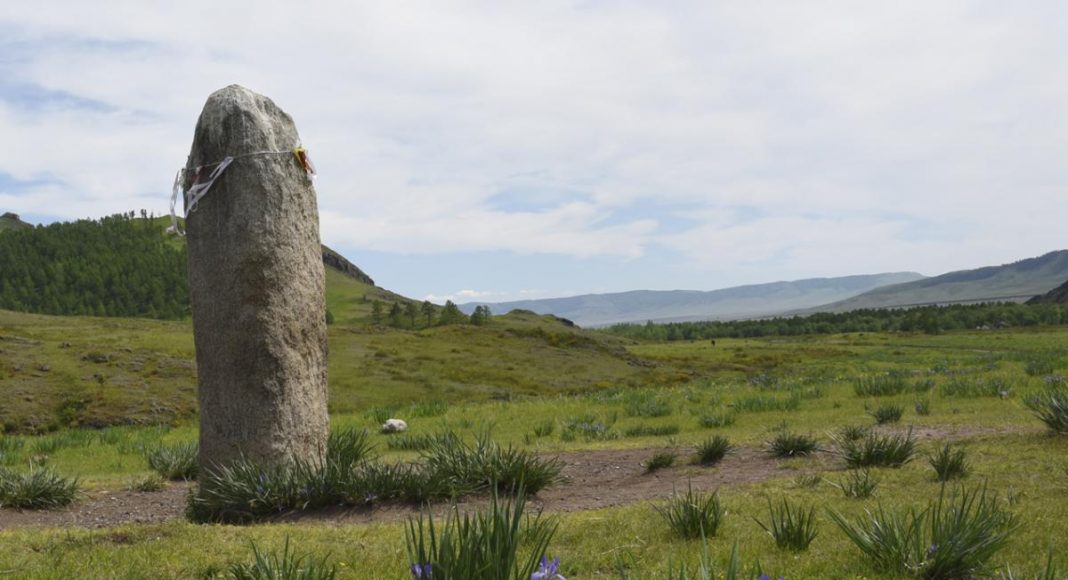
x,y
594,479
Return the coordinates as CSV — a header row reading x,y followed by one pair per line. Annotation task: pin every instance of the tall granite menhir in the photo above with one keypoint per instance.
x,y
257,285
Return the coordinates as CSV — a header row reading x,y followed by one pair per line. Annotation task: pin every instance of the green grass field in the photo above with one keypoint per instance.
x,y
523,373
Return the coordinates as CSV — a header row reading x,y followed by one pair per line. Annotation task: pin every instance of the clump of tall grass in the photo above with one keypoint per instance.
x,y
1037,366
852,432
411,442
887,413
287,565
883,385
660,460
953,537
1051,407
949,463
39,488
427,409
485,464
10,450
789,444
716,419
651,430
761,404
875,450
481,546
712,450
692,515
645,404
705,570
544,428
791,527
977,387
588,428
857,484
149,483
922,407
174,462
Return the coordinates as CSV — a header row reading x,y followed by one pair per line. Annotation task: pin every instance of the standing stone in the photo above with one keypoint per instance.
x,y
257,286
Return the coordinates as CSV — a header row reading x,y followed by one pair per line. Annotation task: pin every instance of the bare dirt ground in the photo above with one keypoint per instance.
x,y
594,479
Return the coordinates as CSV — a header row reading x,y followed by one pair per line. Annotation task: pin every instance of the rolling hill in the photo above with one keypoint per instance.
x,y
11,221
751,301
1015,282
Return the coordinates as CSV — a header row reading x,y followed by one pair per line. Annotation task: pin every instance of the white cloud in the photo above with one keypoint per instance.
x,y
807,138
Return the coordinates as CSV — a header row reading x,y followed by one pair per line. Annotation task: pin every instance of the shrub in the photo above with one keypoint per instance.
x,y
858,484
660,460
950,538
285,566
888,413
693,515
39,488
174,462
720,419
651,430
949,463
1051,407
789,444
713,450
877,450
481,546
791,527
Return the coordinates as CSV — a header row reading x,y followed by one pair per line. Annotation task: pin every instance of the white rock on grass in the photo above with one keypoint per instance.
x,y
394,426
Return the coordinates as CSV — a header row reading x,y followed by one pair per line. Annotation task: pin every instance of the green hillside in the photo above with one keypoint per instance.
x,y
89,371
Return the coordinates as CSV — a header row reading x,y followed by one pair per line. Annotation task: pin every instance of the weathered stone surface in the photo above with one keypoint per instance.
x,y
257,288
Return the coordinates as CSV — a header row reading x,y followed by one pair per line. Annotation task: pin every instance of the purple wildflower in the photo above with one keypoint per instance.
x,y
547,569
421,571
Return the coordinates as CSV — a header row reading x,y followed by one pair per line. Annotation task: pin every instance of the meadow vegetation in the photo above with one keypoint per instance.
x,y
994,403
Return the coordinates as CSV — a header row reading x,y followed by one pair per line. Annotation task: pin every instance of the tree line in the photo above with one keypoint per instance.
x,y
113,266
414,316
928,319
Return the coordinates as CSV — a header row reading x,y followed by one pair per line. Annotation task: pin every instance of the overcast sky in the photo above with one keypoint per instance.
x,y
503,150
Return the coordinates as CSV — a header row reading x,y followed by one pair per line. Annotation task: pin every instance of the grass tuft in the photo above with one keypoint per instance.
x,y
951,538
480,546
693,515
949,463
1051,407
788,444
39,488
712,450
876,450
651,430
286,565
791,527
888,413
720,419
152,482
660,460
174,462
858,484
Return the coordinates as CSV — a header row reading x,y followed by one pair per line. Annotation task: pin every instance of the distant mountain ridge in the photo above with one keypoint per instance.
x,y
1016,282
750,301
